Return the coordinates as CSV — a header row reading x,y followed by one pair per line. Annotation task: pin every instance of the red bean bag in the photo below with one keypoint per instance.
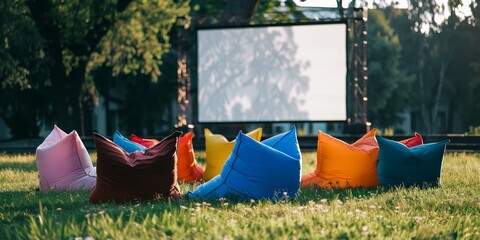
x,y
413,141
146,142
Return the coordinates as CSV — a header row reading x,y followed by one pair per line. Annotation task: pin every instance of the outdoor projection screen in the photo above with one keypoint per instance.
x,y
272,73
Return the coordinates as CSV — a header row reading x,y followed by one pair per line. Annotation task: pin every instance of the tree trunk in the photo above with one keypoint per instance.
x,y
77,77
423,101
108,117
451,115
446,56
441,81
66,91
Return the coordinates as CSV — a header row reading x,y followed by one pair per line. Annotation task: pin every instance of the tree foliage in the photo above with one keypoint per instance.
x,y
146,64
52,46
388,83
23,68
142,36
59,56
439,50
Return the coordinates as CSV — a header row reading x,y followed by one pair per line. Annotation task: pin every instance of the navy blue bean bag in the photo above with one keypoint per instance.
x,y
257,170
416,166
126,144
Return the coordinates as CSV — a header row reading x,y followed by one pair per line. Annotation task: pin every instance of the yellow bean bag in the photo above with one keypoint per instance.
x,y
217,150
341,165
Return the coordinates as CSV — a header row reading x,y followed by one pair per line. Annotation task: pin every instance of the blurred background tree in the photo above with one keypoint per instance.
x,y
23,67
58,57
438,50
51,47
139,53
388,83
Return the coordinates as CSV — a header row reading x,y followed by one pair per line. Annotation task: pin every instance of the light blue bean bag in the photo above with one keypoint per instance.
x,y
257,170
416,166
126,144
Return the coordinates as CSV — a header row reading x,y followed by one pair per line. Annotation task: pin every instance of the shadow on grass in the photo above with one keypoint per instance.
x,y
316,194
304,196
16,166
20,206
28,201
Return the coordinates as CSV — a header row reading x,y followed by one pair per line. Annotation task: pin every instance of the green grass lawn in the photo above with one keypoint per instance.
x,y
451,211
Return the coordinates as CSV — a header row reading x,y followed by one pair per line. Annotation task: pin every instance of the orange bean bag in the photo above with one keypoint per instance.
x,y
341,165
187,166
413,141
218,149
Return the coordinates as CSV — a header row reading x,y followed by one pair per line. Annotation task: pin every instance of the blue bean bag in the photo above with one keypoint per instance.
x,y
255,170
416,166
126,144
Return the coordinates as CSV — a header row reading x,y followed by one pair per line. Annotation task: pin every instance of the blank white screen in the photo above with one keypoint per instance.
x,y
274,73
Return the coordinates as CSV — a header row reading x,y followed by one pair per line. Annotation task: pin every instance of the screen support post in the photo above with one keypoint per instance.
x,y
358,26
184,115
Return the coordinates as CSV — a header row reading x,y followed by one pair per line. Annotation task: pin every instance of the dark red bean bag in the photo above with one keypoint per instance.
x,y
188,168
124,177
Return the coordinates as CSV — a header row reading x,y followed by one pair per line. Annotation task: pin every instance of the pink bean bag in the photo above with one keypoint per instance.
x,y
63,163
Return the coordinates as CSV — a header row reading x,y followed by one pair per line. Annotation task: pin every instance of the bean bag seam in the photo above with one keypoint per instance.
x,y
224,179
78,158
